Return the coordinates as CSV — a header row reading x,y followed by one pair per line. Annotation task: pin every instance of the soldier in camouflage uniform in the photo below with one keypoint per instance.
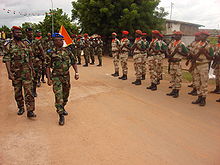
x,y
216,66
115,53
204,54
153,53
144,56
79,45
137,48
192,49
177,51
18,60
92,50
98,49
39,56
123,56
59,59
161,56
86,49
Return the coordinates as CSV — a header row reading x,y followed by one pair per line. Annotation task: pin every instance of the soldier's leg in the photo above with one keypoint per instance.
x,y
29,98
151,70
125,64
86,56
99,53
217,80
144,68
17,84
138,68
173,79
66,89
116,64
92,53
58,91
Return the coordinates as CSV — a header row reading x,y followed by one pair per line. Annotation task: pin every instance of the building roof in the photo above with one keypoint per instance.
x,y
182,22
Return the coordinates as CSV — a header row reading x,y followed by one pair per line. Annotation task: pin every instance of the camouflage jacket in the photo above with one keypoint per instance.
x,y
60,60
37,50
154,44
180,46
124,42
140,45
115,45
19,57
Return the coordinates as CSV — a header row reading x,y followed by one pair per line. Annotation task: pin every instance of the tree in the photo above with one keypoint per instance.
x,y
106,16
60,18
7,31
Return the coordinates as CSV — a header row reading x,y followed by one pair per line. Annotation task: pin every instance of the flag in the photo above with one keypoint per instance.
x,y
67,38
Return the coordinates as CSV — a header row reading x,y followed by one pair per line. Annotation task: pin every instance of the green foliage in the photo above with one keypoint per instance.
x,y
106,16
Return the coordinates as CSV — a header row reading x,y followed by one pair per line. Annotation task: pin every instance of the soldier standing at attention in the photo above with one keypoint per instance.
x,y
137,48
192,48
144,56
216,66
79,45
59,59
115,54
92,50
161,56
204,54
18,60
153,52
99,48
123,56
86,49
177,51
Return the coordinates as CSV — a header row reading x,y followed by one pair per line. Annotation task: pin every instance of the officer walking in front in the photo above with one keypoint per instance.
x,y
18,60
59,59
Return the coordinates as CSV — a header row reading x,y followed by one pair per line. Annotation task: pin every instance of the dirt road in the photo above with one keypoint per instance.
x,y
110,122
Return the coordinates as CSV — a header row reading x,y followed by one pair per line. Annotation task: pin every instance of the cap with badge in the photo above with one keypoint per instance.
x,y
57,35
15,28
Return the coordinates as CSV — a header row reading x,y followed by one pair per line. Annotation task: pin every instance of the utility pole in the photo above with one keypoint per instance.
x,y
52,12
171,10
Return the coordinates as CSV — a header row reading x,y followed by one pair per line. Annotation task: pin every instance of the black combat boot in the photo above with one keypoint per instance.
x,y
20,111
34,90
31,114
134,82
100,63
171,93
85,65
170,87
121,76
193,92
125,77
191,85
198,100
150,86
65,113
61,119
79,63
176,93
116,74
203,102
218,100
154,87
143,77
217,90
138,82
38,83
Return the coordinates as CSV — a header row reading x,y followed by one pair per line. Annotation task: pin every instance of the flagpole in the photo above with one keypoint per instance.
x,y
52,18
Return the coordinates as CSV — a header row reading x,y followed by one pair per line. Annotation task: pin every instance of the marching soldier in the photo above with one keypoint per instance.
x,y
153,52
123,56
204,54
192,48
59,59
18,60
177,51
98,49
137,48
216,66
144,56
79,45
86,49
115,54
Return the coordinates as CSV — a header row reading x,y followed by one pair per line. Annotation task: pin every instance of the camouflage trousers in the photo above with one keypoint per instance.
x,y
144,64
217,75
86,55
27,84
193,73
153,67
98,52
92,54
124,62
61,89
176,74
37,64
78,55
201,79
115,56
160,66
138,63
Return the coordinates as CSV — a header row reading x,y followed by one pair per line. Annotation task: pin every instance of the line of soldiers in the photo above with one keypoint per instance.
x,y
91,46
25,61
198,54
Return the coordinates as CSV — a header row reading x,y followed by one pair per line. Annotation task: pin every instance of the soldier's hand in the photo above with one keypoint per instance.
x,y
49,82
76,76
11,76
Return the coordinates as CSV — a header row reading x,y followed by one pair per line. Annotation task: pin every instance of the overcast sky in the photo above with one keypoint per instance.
x,y
204,12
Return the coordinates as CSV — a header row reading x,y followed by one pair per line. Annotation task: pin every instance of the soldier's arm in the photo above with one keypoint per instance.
x,y
7,61
74,65
184,50
48,66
